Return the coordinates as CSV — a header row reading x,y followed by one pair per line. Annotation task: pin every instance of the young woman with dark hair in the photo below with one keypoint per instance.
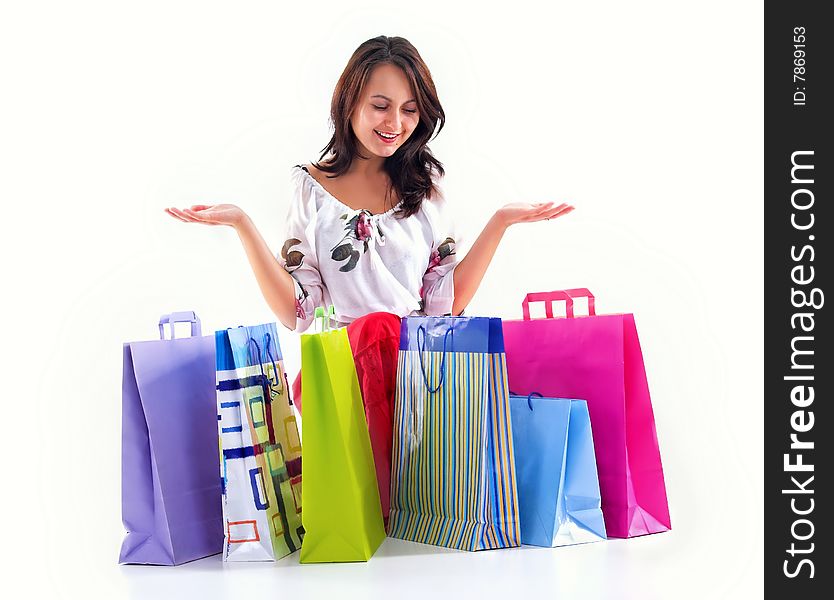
x,y
368,230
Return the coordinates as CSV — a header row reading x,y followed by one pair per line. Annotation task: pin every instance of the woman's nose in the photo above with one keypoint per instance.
x,y
394,122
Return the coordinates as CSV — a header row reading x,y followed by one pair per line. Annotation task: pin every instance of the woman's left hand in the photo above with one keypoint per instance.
x,y
523,212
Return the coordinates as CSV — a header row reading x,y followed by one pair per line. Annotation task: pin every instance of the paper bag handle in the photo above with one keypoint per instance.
x,y
583,293
566,295
547,298
188,316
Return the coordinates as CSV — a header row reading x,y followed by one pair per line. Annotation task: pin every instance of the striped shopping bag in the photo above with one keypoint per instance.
x,y
453,476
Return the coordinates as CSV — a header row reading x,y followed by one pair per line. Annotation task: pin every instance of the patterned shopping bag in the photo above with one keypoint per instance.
x,y
453,476
260,450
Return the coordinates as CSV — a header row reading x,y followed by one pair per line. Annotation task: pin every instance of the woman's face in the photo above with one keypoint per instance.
x,y
386,113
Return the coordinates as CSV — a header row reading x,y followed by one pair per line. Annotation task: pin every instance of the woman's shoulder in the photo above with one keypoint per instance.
x,y
308,175
310,170
434,209
307,191
301,171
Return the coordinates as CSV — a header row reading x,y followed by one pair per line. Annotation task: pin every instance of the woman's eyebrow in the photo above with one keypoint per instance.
x,y
389,99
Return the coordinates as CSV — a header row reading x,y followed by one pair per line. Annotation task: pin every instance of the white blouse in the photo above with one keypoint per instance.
x,y
362,262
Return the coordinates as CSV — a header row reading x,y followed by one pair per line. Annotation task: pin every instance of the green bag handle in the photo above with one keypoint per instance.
x,y
325,319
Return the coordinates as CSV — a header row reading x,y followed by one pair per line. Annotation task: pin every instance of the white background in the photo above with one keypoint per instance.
x,y
646,115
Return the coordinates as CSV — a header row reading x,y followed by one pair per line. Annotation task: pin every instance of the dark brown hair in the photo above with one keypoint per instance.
x,y
411,167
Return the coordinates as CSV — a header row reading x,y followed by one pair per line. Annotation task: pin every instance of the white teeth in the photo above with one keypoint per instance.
x,y
388,136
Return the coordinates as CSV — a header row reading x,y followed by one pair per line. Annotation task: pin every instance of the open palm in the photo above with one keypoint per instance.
x,y
523,212
216,214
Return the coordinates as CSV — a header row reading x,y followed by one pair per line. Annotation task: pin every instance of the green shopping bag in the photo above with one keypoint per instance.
x,y
342,516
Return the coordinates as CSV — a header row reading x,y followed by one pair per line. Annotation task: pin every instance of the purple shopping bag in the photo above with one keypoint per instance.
x,y
598,358
171,497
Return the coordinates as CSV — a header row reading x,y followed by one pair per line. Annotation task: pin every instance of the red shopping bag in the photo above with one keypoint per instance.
x,y
597,358
375,342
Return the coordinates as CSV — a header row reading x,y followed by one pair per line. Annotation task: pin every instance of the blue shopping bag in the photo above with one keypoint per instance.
x,y
558,485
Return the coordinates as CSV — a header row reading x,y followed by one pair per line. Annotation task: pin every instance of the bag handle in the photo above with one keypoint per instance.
x,y
421,346
567,295
529,397
324,319
268,346
265,385
267,350
547,298
583,293
188,316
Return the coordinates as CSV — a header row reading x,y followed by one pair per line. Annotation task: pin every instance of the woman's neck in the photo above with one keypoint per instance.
x,y
367,167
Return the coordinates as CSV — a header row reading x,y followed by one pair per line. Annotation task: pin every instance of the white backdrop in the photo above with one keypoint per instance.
x,y
645,115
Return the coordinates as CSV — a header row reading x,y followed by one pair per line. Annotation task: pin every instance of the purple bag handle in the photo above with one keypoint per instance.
x,y
547,298
188,316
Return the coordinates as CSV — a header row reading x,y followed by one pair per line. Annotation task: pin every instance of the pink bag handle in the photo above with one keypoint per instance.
x,y
547,298
583,293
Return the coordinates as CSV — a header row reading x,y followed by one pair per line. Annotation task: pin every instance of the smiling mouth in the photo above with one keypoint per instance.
x,y
386,136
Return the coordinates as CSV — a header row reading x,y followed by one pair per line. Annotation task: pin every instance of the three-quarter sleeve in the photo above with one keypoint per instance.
x,y
438,293
298,253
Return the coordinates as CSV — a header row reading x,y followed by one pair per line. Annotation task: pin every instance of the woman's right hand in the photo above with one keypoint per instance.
x,y
216,214
276,283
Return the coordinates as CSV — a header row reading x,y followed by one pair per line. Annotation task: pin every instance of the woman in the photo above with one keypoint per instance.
x,y
378,176
368,229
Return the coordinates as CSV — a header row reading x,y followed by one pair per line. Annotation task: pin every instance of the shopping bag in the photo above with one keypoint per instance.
x,y
558,489
342,511
260,447
597,358
453,477
375,341
170,489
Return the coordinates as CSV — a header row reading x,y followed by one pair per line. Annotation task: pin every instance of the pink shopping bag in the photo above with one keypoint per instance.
x,y
597,358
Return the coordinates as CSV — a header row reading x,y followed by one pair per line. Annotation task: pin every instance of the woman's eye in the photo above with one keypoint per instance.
x,y
379,107
410,110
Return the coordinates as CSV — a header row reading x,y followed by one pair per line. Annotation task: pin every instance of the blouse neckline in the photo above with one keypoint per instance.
x,y
388,212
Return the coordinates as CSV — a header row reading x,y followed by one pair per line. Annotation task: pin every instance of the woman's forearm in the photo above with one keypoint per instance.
x,y
276,284
470,271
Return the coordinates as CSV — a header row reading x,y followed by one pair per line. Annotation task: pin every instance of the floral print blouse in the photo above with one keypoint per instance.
x,y
362,262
